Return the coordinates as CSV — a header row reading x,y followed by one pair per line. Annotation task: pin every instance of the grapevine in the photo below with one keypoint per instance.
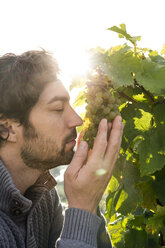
x,y
135,196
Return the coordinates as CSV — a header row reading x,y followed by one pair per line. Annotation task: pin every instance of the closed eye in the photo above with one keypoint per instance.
x,y
59,110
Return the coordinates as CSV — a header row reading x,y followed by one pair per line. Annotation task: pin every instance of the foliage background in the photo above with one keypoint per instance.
x,y
135,203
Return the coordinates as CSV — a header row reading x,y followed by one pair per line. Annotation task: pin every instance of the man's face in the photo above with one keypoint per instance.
x,y
49,139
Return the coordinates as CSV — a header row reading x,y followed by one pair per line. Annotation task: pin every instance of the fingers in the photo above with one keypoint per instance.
x,y
114,141
100,143
79,158
109,130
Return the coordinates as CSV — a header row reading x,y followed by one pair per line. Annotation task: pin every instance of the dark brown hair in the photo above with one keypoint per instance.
x,y
22,79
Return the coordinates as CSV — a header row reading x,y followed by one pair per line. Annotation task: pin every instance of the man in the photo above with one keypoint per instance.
x,y
37,133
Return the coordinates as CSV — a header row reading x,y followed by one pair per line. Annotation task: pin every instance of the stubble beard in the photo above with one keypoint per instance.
x,y
41,153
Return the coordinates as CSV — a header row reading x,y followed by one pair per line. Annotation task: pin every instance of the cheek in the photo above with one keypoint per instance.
x,y
57,131
51,125
20,137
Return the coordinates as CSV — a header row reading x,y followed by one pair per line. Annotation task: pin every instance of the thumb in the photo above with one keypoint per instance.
x,y
79,157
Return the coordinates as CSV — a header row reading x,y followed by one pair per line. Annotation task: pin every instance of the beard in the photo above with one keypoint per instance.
x,y
39,152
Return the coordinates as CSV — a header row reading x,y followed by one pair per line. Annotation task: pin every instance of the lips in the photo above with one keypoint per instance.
x,y
71,140
71,137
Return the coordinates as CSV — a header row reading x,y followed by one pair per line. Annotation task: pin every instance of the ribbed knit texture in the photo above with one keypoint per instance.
x,y
35,220
27,221
81,225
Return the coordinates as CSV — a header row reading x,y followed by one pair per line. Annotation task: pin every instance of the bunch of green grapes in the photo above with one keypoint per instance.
x,y
102,102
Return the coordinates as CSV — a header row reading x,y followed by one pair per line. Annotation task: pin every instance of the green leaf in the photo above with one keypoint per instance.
x,y
113,185
163,50
134,126
111,190
118,170
153,241
157,222
130,196
130,91
135,239
123,26
116,231
153,159
77,82
120,206
120,36
123,33
129,200
143,123
147,188
158,112
119,66
137,38
109,205
159,185
156,58
152,77
140,97
137,222
80,99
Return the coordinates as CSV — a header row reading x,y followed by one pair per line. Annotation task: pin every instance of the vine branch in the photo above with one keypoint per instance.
x,y
147,93
127,97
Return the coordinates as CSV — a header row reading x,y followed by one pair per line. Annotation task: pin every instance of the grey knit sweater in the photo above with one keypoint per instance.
x,y
35,220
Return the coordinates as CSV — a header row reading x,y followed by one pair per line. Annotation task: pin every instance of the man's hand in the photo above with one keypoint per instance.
x,y
86,177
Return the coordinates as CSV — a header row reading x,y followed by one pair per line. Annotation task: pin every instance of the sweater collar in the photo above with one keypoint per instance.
x,y
11,201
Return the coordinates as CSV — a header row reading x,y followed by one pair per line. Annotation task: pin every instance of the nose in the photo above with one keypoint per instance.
x,y
74,119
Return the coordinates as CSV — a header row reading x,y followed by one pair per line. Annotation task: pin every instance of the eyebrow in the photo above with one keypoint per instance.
x,y
59,98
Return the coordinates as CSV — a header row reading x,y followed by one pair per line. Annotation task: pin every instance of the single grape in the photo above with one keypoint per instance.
x,y
99,100
106,110
112,115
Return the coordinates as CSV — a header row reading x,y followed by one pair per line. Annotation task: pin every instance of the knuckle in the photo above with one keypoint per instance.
x,y
116,144
103,141
68,174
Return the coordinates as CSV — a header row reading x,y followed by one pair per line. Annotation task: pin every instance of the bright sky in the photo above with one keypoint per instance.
x,y
70,27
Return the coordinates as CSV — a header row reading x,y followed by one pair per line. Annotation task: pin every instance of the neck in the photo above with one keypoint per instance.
x,y
23,177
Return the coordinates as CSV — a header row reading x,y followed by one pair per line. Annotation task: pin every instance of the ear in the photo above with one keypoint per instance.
x,y
9,130
4,132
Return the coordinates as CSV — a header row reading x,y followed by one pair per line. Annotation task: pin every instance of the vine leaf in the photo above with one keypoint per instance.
x,y
135,238
80,99
153,159
116,231
163,50
123,33
147,188
158,111
151,77
77,82
143,123
129,197
120,66
159,183
157,222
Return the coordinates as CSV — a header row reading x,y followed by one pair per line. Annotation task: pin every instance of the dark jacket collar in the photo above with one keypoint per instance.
x,y
11,201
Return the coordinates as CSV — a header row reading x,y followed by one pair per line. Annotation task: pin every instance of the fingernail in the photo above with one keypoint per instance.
x,y
119,118
104,122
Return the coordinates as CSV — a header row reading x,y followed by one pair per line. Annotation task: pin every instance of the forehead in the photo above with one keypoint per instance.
x,y
52,92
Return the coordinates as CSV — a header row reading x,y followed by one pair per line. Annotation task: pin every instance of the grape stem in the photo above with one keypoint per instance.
x,y
123,95
127,97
